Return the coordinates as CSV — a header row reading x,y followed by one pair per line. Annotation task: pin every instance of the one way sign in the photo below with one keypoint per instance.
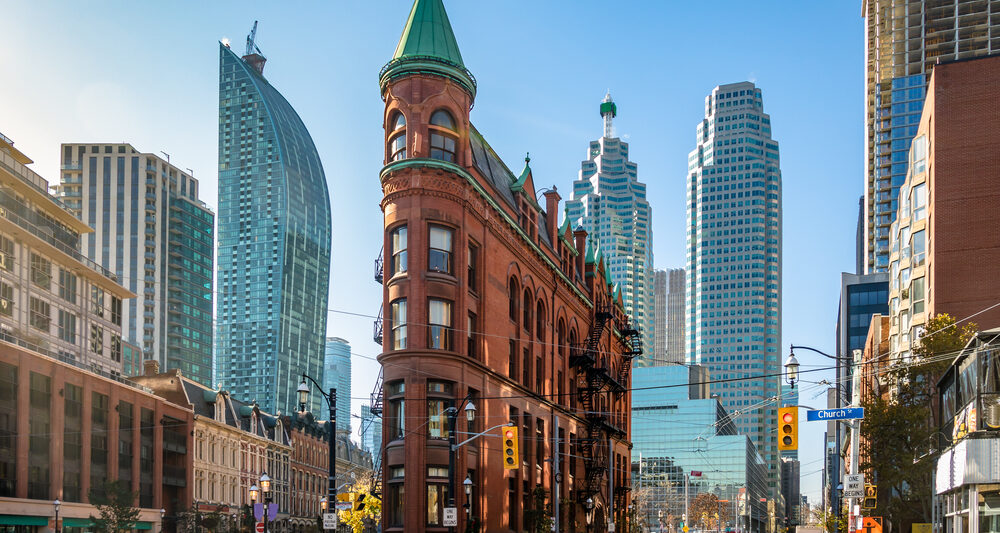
x,y
854,486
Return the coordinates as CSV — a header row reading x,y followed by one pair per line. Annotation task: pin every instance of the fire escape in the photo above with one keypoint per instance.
x,y
597,380
375,401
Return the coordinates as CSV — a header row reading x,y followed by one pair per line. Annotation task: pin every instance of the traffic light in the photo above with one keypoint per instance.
x,y
511,460
788,428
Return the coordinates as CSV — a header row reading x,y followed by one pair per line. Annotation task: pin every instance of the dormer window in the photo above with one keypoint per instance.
x,y
443,136
397,138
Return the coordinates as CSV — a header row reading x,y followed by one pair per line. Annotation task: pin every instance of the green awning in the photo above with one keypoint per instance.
x,y
77,522
22,520
143,525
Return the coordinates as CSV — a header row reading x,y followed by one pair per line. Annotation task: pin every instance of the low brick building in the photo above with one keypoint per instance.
x,y
67,431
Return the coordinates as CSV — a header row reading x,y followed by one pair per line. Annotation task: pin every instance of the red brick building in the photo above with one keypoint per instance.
x,y
487,297
73,430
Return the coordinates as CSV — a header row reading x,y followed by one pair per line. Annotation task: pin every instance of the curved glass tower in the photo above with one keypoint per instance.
x,y
274,241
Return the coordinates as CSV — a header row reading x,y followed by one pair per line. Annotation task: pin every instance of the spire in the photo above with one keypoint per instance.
x,y
428,45
608,111
523,177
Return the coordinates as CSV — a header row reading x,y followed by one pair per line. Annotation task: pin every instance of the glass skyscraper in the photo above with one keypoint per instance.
x,y
903,41
677,429
734,261
154,233
610,203
337,374
274,241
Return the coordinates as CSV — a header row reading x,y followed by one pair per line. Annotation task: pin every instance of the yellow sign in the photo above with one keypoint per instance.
x,y
871,524
922,528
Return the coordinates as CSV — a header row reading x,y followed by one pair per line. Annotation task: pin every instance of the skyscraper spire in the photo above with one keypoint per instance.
x,y
608,110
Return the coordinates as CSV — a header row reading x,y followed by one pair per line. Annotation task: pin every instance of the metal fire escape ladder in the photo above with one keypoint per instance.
x,y
375,403
591,381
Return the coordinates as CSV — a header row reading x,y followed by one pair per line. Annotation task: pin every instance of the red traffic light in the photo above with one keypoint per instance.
x,y
787,418
509,434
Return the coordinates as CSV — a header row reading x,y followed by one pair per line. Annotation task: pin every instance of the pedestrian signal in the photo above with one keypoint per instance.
x,y
511,460
788,428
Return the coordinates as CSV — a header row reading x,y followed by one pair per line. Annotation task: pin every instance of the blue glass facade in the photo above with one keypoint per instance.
x,y
733,316
337,374
674,432
274,242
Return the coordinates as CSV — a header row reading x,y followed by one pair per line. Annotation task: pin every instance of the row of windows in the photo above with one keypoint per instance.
x,y
442,131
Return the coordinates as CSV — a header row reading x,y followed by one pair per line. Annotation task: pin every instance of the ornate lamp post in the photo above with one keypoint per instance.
x,y
56,505
162,512
331,402
791,370
588,506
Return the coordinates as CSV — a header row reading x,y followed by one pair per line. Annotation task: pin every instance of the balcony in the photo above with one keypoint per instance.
x,y
72,165
378,266
377,329
174,441
72,180
175,476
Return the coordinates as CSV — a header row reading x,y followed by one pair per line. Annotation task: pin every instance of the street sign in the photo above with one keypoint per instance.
x,y
846,413
343,506
329,520
258,511
871,524
450,517
260,527
611,527
854,486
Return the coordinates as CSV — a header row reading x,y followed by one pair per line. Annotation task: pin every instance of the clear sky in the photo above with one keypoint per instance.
x,y
147,73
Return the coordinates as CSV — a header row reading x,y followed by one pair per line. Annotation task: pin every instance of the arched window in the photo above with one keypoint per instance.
x,y
540,320
443,136
526,307
397,138
572,341
561,337
512,294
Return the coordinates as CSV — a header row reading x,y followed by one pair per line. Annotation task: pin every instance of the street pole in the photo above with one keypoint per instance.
x,y
686,523
452,415
331,490
611,480
556,473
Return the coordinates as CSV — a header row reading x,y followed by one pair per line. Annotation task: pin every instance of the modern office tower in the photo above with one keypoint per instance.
x,y
371,434
274,241
659,330
677,430
610,203
943,241
675,315
904,39
790,489
734,260
54,300
151,229
337,375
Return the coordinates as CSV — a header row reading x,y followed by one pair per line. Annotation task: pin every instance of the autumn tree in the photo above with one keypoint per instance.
x,y
708,511
900,423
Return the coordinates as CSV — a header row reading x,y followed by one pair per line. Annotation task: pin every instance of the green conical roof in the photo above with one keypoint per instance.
x,y
523,178
428,46
428,33
590,258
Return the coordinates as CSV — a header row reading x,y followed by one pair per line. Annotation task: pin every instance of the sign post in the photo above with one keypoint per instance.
x,y
450,517
854,486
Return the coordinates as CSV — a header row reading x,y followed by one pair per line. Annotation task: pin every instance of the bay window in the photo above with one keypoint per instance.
x,y
440,249
439,331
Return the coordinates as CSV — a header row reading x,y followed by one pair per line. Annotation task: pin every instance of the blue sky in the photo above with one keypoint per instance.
x,y
147,73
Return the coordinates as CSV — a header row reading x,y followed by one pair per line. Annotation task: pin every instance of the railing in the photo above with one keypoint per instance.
x,y
27,176
378,266
377,328
59,245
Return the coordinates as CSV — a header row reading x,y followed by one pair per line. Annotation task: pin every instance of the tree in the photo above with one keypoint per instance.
x,y
831,523
115,502
539,517
372,509
900,423
708,512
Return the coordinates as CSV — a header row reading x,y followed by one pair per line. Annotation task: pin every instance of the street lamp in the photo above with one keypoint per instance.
x,y
588,506
56,505
265,487
322,504
470,415
162,512
792,370
331,402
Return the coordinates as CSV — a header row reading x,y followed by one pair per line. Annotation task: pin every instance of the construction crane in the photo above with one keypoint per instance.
x,y
252,47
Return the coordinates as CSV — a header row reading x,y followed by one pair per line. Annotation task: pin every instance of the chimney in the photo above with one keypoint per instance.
x,y
552,214
150,367
580,236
